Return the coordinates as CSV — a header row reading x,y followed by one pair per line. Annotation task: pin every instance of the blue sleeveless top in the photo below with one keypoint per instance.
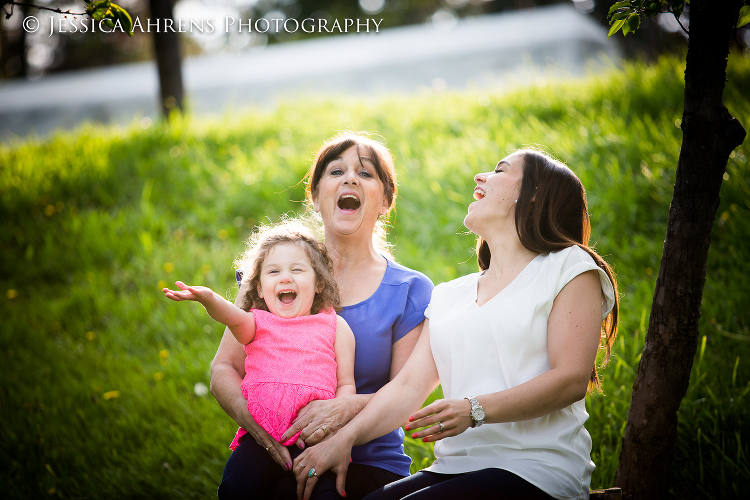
x,y
396,307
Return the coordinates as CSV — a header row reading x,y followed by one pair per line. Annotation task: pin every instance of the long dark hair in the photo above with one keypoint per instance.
x,y
551,215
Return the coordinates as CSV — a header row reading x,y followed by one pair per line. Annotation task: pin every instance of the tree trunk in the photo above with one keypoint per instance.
x,y
710,134
12,45
167,50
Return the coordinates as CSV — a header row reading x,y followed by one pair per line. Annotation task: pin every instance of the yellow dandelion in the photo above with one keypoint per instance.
x,y
90,335
49,210
158,376
111,394
163,353
205,269
12,293
162,284
223,234
168,267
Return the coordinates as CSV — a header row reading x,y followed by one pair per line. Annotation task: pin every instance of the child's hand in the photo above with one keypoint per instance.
x,y
198,293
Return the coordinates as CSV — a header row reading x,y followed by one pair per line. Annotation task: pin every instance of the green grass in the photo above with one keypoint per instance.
x,y
95,221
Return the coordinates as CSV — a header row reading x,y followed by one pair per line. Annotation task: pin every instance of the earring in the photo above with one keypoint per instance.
x,y
516,201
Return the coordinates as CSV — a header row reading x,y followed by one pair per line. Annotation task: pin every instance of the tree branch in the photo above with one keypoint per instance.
x,y
678,21
40,7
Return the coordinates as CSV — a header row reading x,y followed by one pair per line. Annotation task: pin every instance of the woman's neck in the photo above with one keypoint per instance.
x,y
357,267
349,251
507,254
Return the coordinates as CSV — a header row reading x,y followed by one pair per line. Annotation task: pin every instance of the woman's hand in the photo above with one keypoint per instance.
x,y
334,455
320,419
454,414
278,452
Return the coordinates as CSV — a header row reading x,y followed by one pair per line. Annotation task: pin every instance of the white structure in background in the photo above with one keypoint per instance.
x,y
493,51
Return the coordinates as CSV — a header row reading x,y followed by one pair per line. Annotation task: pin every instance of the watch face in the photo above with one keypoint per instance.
x,y
478,414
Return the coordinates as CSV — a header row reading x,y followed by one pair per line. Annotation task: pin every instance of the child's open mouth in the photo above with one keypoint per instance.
x,y
349,202
287,297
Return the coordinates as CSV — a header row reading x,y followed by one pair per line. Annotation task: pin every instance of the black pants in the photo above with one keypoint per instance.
x,y
251,473
497,484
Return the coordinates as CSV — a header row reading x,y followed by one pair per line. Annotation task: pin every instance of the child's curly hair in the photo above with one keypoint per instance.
x,y
288,231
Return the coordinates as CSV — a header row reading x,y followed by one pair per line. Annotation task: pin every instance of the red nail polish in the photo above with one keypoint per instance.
x,y
411,419
425,440
406,427
343,493
414,435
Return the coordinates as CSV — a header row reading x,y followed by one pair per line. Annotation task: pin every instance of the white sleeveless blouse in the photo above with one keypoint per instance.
x,y
502,344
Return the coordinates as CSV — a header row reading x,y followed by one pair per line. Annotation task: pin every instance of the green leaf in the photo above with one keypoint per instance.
x,y
616,27
620,15
120,14
744,16
98,9
634,22
618,5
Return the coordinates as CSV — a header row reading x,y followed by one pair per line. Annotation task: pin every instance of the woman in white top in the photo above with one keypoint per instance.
x,y
514,347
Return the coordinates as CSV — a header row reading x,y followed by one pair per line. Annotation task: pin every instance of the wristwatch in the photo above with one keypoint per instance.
x,y
477,412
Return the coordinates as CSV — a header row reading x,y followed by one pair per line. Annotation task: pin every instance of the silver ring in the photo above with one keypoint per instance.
x,y
311,473
268,448
442,427
301,465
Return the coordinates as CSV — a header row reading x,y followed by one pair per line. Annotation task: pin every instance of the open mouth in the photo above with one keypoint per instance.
x,y
287,296
349,202
479,193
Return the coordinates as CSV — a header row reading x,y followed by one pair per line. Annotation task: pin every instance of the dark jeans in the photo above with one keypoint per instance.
x,y
251,473
497,484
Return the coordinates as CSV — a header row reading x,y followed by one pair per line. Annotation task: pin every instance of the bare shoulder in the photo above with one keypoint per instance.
x,y
342,326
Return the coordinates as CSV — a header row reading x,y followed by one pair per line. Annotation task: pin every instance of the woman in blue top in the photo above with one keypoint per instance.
x,y
352,185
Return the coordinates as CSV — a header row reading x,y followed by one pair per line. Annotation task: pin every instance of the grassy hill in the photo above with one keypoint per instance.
x,y
103,388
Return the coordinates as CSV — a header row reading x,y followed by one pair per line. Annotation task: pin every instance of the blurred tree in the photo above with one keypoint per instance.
x,y
168,60
166,41
12,46
710,133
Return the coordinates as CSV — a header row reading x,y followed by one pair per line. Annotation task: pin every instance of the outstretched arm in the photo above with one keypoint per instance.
x,y
241,323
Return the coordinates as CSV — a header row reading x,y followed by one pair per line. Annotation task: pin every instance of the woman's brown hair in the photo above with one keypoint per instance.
x,y
551,215
296,232
367,149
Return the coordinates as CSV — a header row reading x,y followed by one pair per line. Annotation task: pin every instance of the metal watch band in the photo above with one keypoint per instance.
x,y
476,408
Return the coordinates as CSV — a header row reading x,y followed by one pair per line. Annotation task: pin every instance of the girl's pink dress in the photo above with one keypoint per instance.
x,y
290,362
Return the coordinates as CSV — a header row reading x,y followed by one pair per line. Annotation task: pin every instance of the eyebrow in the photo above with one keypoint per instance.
x,y
502,161
273,264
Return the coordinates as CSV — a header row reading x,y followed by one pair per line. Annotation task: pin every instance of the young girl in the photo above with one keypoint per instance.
x,y
298,348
